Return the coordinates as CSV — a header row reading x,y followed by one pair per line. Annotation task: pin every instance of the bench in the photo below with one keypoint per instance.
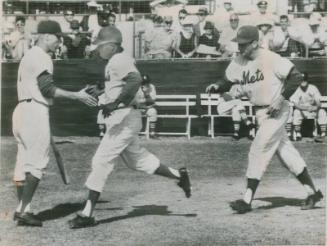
x,y
210,101
181,105
323,105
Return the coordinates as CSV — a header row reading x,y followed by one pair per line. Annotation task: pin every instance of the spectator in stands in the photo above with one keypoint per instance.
x,y
229,48
177,25
158,42
318,31
223,12
283,43
76,42
209,42
265,33
18,42
111,19
306,100
68,16
199,27
90,21
146,97
167,23
230,103
186,43
262,13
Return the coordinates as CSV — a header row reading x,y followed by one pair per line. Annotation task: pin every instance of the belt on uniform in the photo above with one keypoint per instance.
x,y
261,107
25,100
28,100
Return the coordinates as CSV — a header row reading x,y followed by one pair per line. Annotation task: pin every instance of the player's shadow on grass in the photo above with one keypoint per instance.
x,y
278,201
144,211
63,210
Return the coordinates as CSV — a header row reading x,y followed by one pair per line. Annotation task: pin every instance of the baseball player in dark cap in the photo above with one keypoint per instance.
x,y
36,90
268,80
123,123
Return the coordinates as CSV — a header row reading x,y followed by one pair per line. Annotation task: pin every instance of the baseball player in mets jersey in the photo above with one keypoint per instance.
x,y
268,80
31,127
123,123
306,100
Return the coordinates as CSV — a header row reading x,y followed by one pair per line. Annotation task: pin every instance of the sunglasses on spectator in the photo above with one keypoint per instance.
x,y
181,18
233,20
168,22
20,24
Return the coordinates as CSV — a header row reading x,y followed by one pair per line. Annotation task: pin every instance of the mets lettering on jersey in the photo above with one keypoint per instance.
x,y
261,79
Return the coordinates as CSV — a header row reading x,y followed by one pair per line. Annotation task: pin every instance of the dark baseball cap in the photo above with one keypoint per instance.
x,y
262,3
49,27
246,34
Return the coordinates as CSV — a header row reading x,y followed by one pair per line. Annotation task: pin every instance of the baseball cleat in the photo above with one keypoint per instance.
x,y
240,206
236,136
27,219
184,182
81,222
310,201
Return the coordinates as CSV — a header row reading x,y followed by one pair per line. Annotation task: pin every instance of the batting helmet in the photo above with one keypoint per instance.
x,y
109,34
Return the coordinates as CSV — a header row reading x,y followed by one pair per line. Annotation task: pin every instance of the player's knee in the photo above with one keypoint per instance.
x,y
19,183
152,114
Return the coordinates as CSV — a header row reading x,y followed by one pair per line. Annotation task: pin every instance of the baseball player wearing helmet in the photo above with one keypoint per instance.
x,y
306,100
146,97
268,80
31,128
123,122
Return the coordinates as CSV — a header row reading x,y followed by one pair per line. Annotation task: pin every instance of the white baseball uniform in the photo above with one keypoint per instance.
x,y
262,81
149,110
123,125
229,104
308,98
31,126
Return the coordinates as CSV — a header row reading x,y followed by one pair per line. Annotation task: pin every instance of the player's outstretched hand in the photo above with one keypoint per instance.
x,y
211,88
86,98
275,107
107,109
94,90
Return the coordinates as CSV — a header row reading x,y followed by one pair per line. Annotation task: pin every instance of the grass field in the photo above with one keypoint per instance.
x,y
138,209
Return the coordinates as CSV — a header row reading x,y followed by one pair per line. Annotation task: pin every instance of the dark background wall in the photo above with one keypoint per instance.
x,y
170,77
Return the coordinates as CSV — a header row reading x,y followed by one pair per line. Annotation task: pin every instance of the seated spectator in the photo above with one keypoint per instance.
x,y
112,19
230,103
229,48
318,47
146,97
306,100
186,43
68,18
177,24
209,41
158,42
76,42
283,43
199,27
262,13
90,22
265,33
18,42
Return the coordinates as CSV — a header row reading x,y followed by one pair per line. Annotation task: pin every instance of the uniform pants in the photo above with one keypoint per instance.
x,y
31,129
272,138
120,142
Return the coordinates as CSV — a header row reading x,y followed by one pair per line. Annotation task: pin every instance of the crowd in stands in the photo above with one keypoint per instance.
x,y
190,35
210,36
